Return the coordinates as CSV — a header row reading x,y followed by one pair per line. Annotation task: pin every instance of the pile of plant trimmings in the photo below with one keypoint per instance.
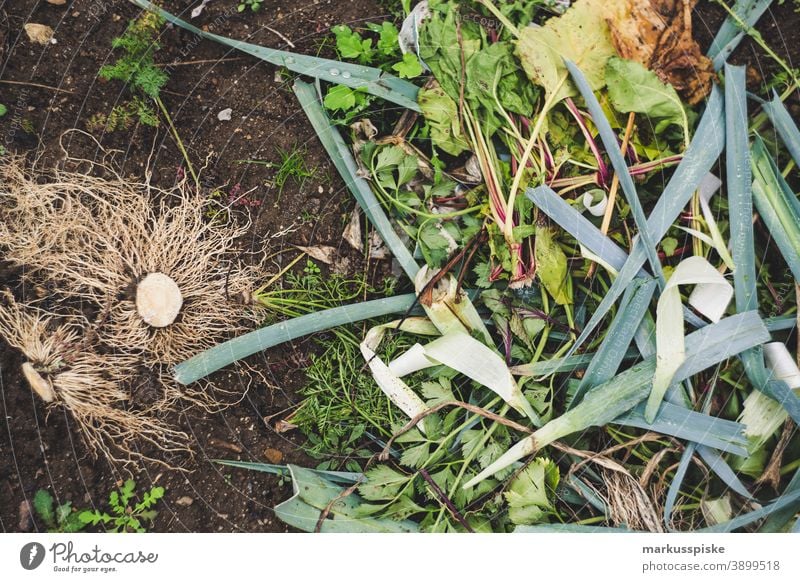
x,y
122,280
605,251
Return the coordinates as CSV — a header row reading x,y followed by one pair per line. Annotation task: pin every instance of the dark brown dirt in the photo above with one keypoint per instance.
x,y
38,450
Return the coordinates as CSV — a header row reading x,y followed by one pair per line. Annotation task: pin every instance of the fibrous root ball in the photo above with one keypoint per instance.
x,y
137,278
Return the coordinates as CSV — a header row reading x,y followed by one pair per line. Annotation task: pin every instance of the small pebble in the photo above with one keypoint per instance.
x,y
39,33
184,501
274,456
225,114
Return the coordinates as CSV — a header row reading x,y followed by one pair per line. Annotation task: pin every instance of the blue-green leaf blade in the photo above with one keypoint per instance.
x,y
248,344
370,79
340,154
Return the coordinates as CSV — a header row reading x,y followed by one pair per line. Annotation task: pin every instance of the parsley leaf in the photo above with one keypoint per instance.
x,y
409,67
530,494
350,45
383,482
387,42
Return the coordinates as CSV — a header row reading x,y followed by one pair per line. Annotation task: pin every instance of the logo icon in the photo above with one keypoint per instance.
x,y
31,555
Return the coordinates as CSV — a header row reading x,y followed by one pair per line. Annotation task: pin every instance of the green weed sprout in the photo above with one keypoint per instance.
x,y
57,518
126,517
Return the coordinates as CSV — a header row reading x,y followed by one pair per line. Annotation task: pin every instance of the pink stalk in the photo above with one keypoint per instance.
x,y
547,155
646,167
495,273
601,165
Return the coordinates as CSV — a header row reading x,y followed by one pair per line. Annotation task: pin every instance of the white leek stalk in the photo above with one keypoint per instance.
x,y
451,308
761,415
398,391
468,356
670,341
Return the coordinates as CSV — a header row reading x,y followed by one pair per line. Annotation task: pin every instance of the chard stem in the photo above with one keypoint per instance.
x,y
523,162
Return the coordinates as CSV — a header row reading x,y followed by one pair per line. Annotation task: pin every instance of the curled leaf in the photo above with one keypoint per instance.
x,y
670,340
658,34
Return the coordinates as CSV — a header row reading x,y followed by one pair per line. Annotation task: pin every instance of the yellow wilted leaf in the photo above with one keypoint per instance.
x,y
581,35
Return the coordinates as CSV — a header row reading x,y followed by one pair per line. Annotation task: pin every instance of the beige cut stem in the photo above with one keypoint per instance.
x,y
38,383
612,193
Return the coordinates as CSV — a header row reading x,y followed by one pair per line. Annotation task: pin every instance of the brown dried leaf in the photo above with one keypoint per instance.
x,y
352,233
658,34
322,253
284,426
377,250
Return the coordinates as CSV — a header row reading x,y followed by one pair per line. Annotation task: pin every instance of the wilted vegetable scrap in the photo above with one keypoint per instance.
x,y
658,35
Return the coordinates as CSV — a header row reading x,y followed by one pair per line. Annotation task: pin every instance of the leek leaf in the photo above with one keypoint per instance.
x,y
730,34
609,139
369,79
340,154
251,343
601,405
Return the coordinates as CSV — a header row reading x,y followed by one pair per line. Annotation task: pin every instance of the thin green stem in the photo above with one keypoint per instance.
x,y
178,141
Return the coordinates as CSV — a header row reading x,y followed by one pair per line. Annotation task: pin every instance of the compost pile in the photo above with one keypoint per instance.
x,y
603,247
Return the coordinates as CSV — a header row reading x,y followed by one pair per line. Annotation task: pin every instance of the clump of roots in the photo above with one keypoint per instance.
x,y
100,238
63,370
158,268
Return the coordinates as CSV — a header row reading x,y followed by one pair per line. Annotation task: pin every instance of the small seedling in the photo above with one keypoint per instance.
x,y
122,117
255,5
136,66
292,165
57,518
125,516
137,69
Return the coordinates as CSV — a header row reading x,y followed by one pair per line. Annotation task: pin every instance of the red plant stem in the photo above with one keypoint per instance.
x,y
548,156
446,500
640,169
679,252
601,165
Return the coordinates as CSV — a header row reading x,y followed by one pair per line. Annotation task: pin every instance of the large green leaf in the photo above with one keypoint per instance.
x,y
634,88
580,35
313,493
551,266
441,113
